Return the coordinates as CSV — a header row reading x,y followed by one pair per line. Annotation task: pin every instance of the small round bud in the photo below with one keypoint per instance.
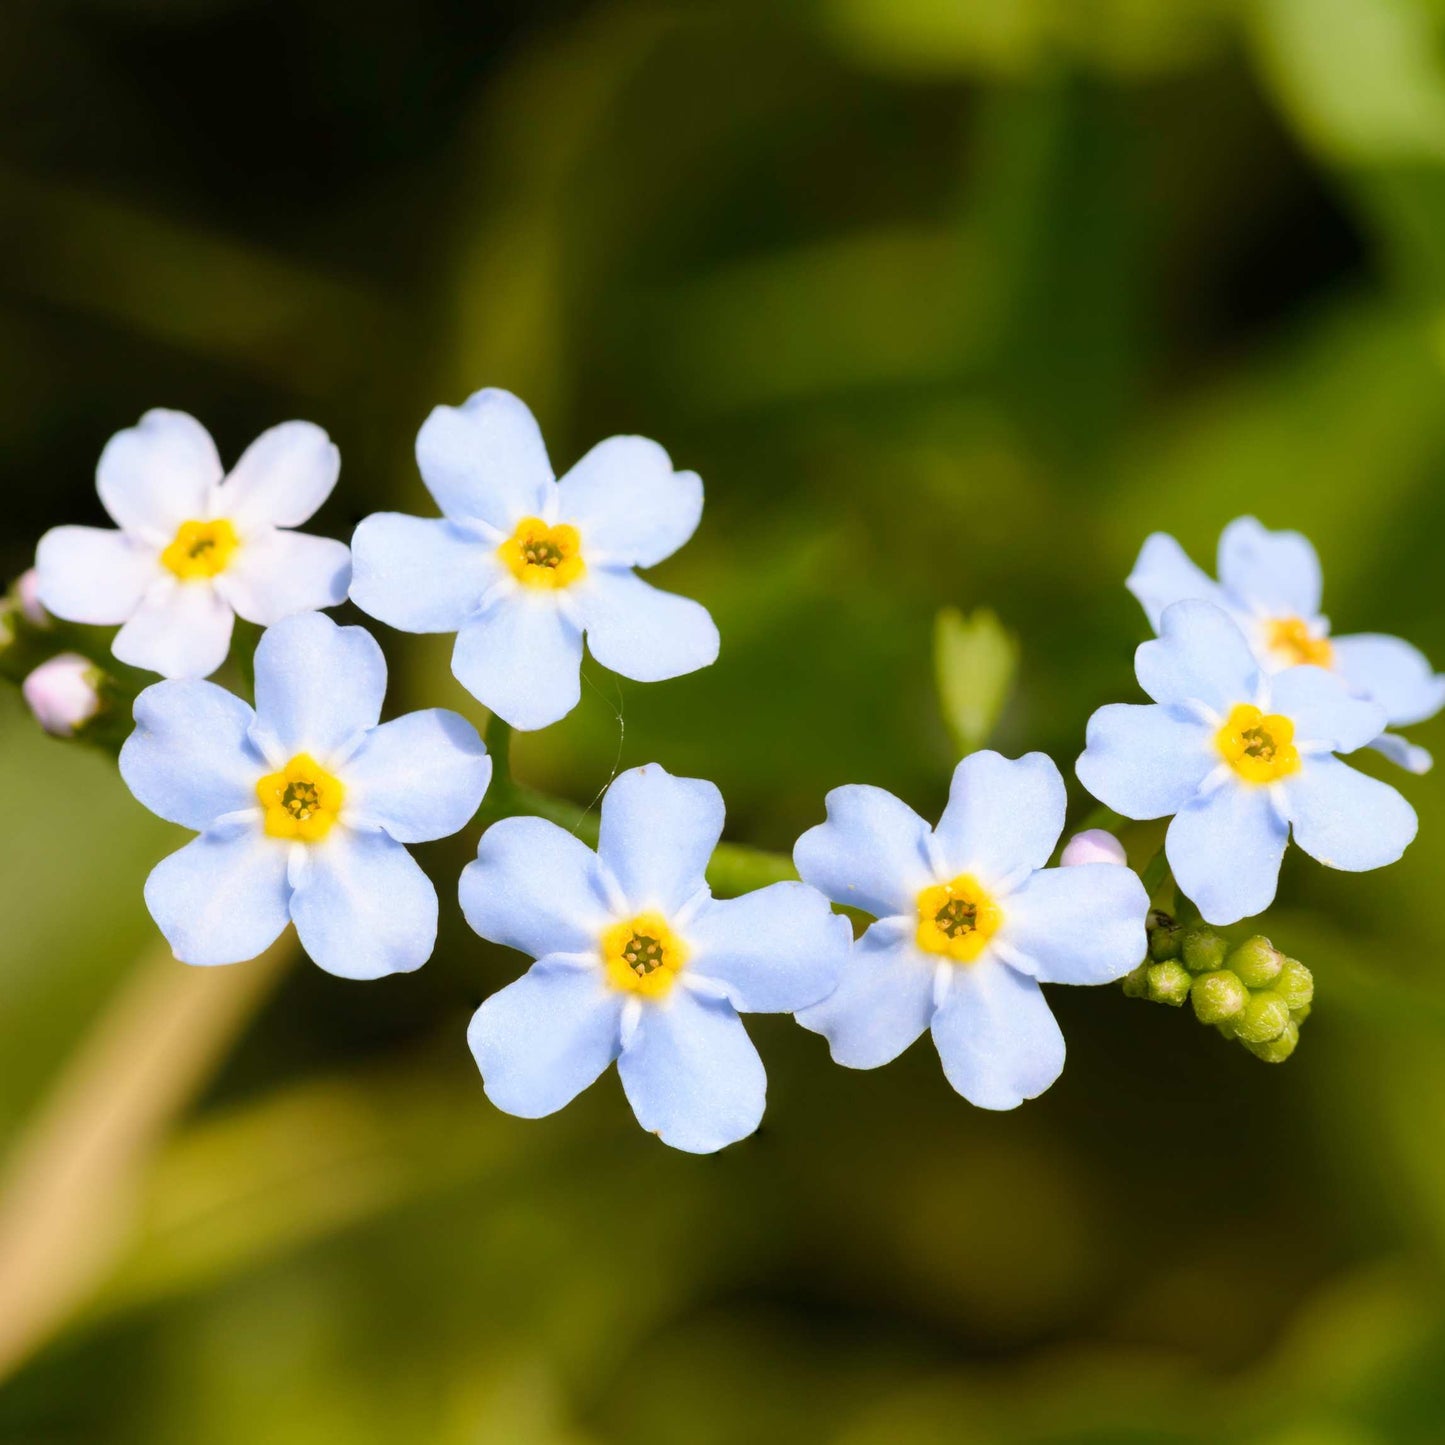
x,y
1164,936
1265,1017
1295,984
1218,997
1257,961
63,693
1136,983
1169,983
1203,950
1300,1014
1278,1049
27,594
1093,845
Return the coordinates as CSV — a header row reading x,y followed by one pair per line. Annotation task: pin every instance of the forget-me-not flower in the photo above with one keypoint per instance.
x,y
303,805
970,923
1240,756
195,547
520,565
638,962
1270,583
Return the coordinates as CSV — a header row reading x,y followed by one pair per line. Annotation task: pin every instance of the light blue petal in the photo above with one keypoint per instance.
x,y
1083,924
485,460
1404,753
1225,850
277,573
1200,656
628,503
93,574
871,853
658,833
363,907
281,478
996,1036
1397,676
640,632
535,887
419,777
777,950
420,574
522,658
1004,815
1345,819
692,1075
318,686
1164,575
883,1002
223,898
1324,710
190,758
1277,573
1145,761
180,629
157,474
546,1037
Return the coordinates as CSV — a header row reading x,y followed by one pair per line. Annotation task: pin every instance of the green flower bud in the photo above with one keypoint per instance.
x,y
1256,961
1136,984
1169,983
1265,1017
1164,937
1203,950
1218,997
1295,984
1300,1014
1276,1050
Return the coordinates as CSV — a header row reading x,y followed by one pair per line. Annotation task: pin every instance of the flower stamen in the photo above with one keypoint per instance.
x,y
643,955
1258,746
1296,645
539,555
302,801
201,550
956,920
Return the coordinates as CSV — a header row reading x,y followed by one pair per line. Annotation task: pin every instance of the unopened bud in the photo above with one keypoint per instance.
x,y
1169,983
63,693
1093,845
1277,1049
1136,983
1265,1017
1164,937
1295,984
27,594
1218,997
1256,961
1203,950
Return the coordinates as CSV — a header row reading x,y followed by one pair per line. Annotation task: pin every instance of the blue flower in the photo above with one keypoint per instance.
x,y
970,923
638,962
195,547
302,805
520,565
1239,757
1270,584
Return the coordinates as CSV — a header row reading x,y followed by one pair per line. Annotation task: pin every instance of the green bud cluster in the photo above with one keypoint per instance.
x,y
1250,992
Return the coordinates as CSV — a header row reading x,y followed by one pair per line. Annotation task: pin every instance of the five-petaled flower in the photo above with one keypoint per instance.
x,y
638,962
520,565
970,923
1240,756
303,805
196,547
1270,583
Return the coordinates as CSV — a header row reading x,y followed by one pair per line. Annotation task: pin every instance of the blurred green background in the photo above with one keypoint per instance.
x,y
949,302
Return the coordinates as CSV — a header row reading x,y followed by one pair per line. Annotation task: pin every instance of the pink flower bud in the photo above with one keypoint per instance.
x,y
62,694
1093,845
27,593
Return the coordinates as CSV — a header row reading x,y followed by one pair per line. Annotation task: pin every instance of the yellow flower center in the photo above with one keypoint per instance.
x,y
1258,746
957,919
1291,639
301,801
643,955
201,549
543,556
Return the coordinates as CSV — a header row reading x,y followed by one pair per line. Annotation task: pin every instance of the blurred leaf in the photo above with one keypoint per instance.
x,y
975,660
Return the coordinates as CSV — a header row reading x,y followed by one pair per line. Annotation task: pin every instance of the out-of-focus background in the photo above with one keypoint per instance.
x,y
949,302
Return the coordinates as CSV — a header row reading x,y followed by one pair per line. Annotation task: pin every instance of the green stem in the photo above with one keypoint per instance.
x,y
499,745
